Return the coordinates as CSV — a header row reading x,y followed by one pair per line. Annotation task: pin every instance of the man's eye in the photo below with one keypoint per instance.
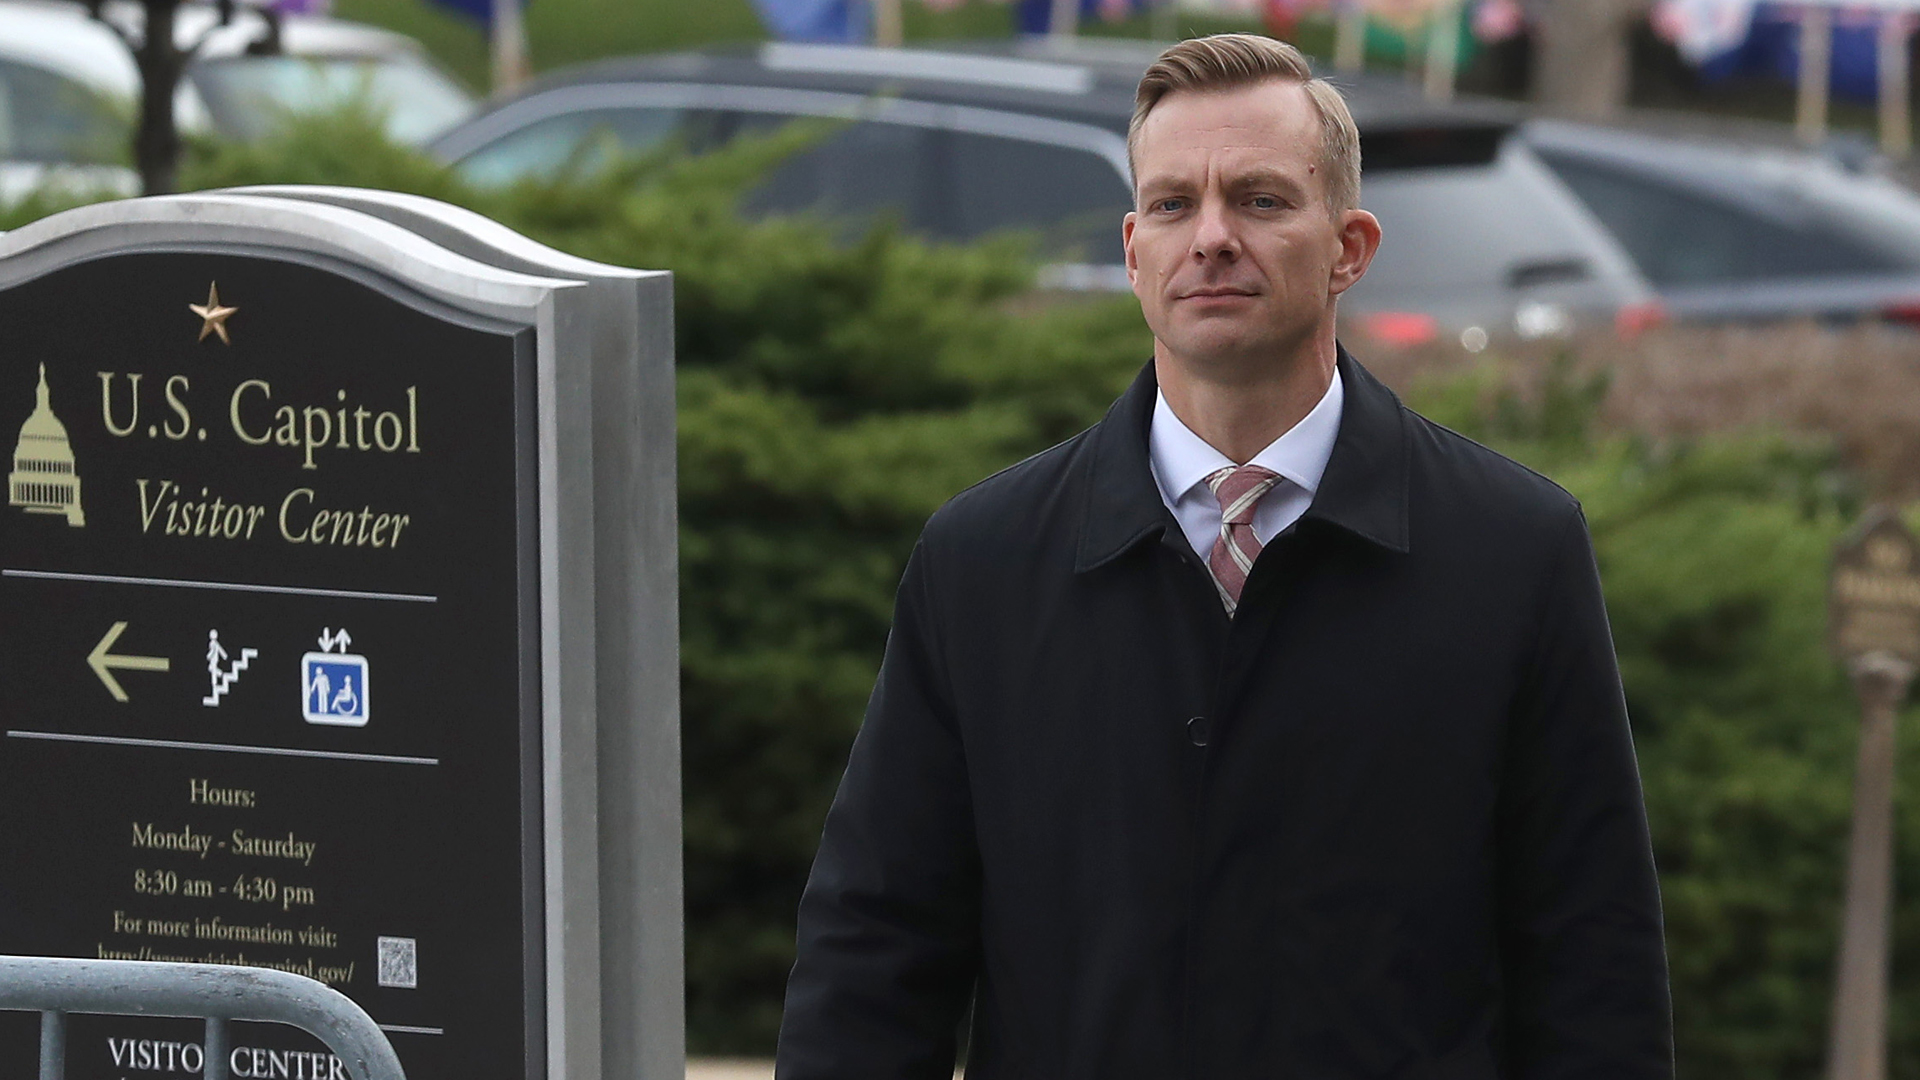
x,y
1169,205
1265,202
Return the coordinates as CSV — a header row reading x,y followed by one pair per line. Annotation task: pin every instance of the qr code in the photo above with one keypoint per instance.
x,y
399,962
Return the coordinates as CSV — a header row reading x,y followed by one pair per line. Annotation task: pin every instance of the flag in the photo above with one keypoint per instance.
x,y
1036,16
1283,16
1403,29
1498,20
1703,29
1771,49
816,20
480,11
1408,18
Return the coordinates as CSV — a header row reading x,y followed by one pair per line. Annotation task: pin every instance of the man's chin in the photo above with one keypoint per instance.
x,y
1223,344
1226,349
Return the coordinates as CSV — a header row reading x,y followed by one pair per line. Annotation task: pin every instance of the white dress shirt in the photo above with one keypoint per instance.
x,y
1182,461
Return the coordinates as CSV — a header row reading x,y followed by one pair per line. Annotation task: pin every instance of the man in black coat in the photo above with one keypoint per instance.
x,y
1264,730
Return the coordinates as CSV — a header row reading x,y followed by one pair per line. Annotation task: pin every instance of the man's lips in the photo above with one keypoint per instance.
x,y
1214,292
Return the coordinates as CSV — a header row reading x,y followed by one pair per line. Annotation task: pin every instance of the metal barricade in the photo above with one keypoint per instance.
x,y
54,987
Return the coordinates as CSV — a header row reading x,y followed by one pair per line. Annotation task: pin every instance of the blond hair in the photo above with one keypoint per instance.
x,y
1230,61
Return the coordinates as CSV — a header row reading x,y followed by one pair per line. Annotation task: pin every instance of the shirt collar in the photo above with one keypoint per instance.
x,y
1182,460
1363,490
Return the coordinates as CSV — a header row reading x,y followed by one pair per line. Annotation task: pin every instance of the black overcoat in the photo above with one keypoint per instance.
x,y
1386,822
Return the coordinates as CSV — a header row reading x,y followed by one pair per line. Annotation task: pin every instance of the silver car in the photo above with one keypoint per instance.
x,y
1741,232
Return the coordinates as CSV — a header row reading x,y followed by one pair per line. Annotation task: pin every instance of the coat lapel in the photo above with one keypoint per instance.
x,y
1364,490
1123,505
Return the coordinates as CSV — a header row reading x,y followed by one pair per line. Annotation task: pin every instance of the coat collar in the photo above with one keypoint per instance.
x,y
1364,490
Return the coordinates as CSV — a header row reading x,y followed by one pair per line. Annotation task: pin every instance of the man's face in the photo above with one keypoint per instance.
x,y
1232,248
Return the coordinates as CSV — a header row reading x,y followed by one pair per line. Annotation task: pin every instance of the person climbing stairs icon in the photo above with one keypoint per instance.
x,y
220,675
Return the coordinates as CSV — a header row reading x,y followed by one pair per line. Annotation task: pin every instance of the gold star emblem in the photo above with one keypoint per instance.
x,y
213,317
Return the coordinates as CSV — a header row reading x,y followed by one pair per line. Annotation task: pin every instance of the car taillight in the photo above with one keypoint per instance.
x,y
1634,319
1402,328
1906,311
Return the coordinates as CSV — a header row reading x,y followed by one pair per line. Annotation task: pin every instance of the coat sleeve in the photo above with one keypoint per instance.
x,y
1582,949
888,940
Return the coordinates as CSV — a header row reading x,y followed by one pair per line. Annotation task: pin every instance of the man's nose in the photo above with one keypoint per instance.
x,y
1213,233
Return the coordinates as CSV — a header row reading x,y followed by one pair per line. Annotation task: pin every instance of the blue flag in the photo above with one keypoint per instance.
x,y
1772,50
816,20
1036,16
481,11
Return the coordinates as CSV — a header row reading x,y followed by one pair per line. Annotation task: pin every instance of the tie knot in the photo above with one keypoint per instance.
x,y
1239,489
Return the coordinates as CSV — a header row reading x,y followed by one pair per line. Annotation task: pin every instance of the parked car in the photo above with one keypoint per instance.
x,y
981,138
1730,231
68,85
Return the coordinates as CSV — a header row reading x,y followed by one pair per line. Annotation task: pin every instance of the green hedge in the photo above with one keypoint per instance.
x,y
1714,559
833,394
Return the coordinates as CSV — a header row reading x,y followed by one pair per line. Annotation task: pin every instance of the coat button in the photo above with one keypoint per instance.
x,y
1198,728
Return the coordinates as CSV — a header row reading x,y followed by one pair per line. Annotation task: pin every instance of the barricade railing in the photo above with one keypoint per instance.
x,y
55,987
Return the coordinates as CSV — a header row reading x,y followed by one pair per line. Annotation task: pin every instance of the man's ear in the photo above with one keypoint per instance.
x,y
1359,240
1126,242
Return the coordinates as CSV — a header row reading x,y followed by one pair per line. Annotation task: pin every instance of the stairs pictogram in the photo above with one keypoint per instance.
x,y
223,676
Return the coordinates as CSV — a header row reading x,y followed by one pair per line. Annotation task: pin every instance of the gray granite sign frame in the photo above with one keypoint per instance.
x,y
609,818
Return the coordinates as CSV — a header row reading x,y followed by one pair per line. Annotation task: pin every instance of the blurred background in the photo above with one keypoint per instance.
x,y
1667,253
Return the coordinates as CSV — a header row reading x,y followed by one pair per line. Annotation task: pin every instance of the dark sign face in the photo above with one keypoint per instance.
x,y
1874,594
267,628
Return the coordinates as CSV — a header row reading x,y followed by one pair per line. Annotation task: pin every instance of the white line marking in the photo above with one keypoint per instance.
x,y
230,586
176,744
413,1030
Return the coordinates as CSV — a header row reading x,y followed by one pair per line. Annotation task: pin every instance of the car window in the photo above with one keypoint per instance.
x,y
860,172
953,185
860,169
586,137
1686,237
45,117
1497,233
247,95
1073,198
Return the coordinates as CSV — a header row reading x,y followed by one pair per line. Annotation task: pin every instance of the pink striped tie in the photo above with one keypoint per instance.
x,y
1238,488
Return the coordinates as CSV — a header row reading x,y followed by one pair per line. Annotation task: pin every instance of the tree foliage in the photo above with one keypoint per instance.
x,y
1714,556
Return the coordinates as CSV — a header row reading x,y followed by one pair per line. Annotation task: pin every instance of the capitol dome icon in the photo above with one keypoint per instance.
x,y
43,480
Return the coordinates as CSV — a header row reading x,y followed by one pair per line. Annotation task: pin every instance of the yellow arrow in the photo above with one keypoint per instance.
x,y
100,660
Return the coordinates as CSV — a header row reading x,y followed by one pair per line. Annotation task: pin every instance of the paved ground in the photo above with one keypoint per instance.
x,y
737,1069
728,1069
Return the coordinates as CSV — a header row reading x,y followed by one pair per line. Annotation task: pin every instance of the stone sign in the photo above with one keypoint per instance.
x,y
1874,591
337,629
